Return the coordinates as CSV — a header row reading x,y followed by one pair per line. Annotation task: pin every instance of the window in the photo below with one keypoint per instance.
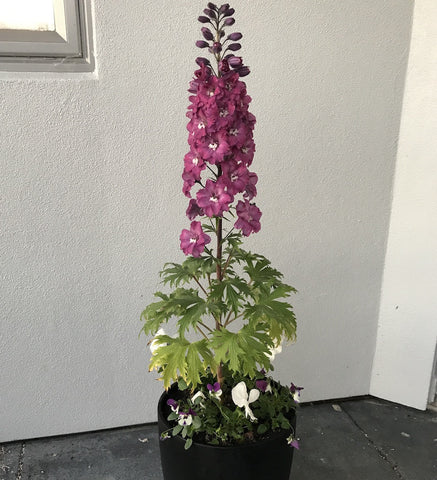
x,y
45,35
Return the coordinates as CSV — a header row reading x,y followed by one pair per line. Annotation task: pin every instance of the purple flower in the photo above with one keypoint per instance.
x,y
229,21
223,66
248,217
193,241
215,390
193,210
213,199
261,385
173,405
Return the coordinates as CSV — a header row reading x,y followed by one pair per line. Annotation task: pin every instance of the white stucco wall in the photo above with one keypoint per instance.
x,y
407,327
91,206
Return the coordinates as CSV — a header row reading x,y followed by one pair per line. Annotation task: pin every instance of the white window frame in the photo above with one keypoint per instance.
x,y
66,49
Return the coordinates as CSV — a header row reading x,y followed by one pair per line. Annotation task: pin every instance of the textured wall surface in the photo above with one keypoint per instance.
x,y
407,329
91,205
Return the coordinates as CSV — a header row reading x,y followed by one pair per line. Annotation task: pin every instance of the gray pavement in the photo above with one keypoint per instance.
x,y
365,439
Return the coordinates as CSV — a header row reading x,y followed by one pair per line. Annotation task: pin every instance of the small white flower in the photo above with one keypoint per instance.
x,y
274,351
154,344
293,442
242,399
199,394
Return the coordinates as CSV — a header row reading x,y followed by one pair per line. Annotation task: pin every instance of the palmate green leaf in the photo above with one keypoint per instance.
x,y
177,274
260,271
242,350
183,302
192,314
180,358
231,291
158,313
278,317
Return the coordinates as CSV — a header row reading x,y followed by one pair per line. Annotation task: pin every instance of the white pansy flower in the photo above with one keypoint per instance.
x,y
199,394
242,399
154,345
274,351
185,419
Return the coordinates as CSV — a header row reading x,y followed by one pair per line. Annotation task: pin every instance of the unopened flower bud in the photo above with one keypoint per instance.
x,y
243,71
202,44
229,21
223,8
228,12
207,34
235,62
210,13
203,19
234,47
235,36
212,6
216,47
202,61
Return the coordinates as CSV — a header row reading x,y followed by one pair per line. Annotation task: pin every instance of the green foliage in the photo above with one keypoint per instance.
x,y
250,292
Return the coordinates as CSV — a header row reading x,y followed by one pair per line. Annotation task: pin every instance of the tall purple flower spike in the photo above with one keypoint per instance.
x,y
220,135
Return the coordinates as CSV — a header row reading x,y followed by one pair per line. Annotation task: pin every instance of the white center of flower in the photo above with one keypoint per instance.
x,y
233,131
213,146
192,240
224,113
213,199
200,125
244,149
195,161
234,177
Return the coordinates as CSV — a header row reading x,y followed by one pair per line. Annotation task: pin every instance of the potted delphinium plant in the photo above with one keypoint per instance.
x,y
222,415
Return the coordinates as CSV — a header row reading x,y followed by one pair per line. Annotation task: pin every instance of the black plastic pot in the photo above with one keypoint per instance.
x,y
268,459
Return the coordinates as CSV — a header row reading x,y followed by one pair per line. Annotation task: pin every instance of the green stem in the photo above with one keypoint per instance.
x,y
200,285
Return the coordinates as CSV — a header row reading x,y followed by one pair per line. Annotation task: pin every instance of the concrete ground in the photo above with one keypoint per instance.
x,y
364,439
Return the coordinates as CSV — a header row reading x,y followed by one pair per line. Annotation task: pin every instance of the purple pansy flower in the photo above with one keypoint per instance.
x,y
215,390
173,405
295,391
261,385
